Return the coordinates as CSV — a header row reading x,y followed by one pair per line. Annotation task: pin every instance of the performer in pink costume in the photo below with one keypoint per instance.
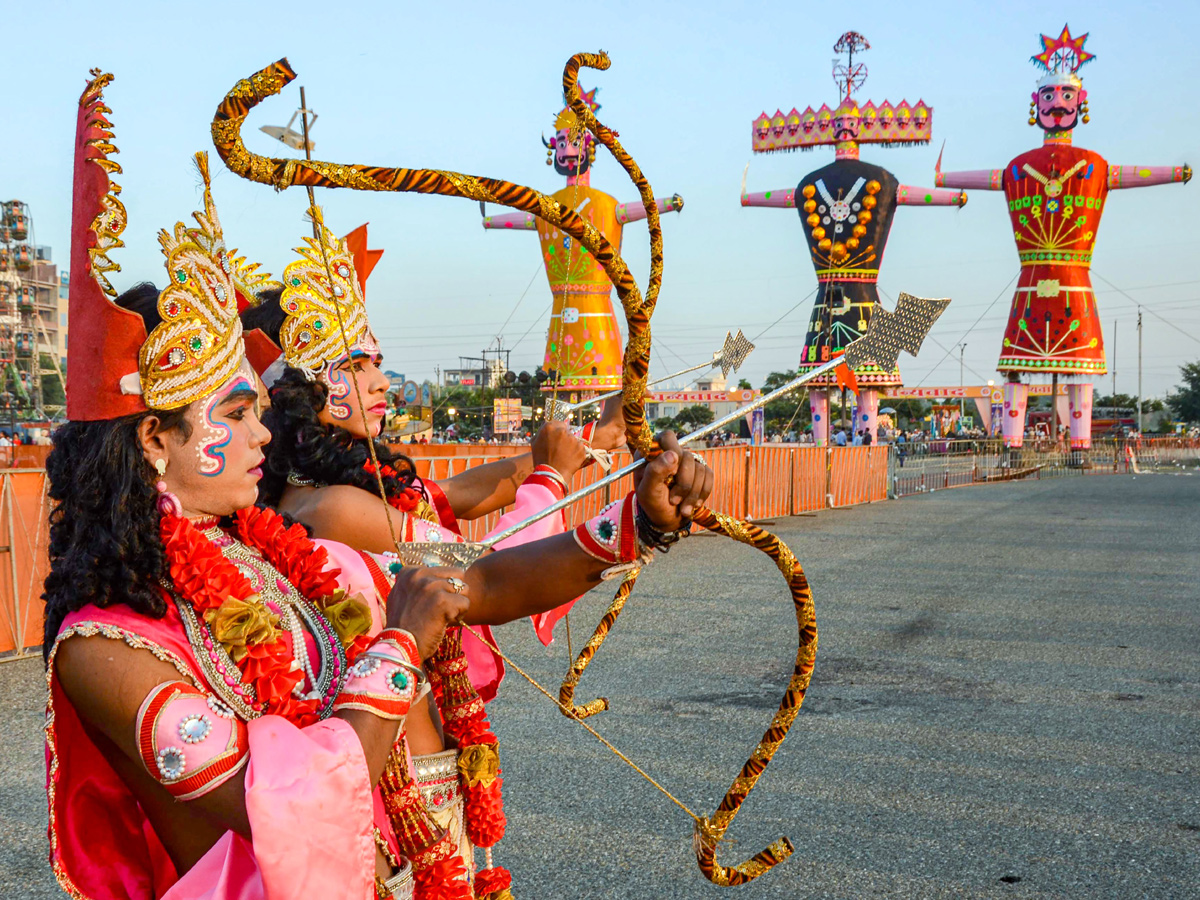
x,y
584,342
847,207
226,708
1056,195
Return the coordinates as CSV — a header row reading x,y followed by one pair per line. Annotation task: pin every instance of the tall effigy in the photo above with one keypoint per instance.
x,y
583,342
847,209
1056,195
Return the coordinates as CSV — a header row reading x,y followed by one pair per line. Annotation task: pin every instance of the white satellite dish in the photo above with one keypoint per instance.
x,y
288,135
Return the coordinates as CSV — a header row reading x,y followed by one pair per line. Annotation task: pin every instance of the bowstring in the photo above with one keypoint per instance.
x,y
570,714
337,308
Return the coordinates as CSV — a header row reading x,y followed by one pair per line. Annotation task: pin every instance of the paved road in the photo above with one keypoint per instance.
x,y
1005,705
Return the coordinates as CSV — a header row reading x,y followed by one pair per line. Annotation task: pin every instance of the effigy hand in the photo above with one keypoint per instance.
x,y
425,601
673,485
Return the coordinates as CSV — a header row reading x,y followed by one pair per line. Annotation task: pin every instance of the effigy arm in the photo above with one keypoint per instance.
x,y
521,221
636,211
907,195
1145,176
976,179
781,199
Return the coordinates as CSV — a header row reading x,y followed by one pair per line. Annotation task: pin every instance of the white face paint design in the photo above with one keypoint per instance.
x,y
215,436
338,380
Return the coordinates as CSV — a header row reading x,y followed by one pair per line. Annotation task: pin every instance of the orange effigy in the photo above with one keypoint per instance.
x,y
583,342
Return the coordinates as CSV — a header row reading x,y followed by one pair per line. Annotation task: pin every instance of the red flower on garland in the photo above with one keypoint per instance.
x,y
489,882
406,499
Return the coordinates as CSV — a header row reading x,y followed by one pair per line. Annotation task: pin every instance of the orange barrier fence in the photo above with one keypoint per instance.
x,y
24,509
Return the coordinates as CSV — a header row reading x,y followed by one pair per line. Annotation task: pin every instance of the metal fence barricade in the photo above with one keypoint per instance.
x,y
24,516
809,485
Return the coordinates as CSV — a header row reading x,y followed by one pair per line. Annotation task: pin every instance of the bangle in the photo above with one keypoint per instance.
x,y
653,536
612,537
385,680
543,473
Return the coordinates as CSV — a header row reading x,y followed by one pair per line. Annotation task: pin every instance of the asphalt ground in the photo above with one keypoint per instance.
x,y
1005,704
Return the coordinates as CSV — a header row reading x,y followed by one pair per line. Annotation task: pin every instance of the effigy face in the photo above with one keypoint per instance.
x,y
1058,106
570,158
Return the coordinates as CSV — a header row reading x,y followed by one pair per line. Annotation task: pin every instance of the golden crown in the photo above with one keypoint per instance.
x,y
198,345
321,317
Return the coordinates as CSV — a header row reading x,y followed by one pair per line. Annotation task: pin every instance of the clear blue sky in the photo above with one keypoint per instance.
x,y
471,86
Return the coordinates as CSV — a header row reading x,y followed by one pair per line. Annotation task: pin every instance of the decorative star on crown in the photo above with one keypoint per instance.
x,y
1063,54
566,118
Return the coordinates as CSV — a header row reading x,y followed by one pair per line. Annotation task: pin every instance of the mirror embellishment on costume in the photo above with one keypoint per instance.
x,y
186,742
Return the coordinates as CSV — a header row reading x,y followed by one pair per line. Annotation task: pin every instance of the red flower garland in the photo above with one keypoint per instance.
x,y
205,578
407,499
464,718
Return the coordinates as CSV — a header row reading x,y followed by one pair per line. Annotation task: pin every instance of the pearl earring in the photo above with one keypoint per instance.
x,y
160,466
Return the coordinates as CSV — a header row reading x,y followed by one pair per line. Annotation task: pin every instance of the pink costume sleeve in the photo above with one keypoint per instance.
x,y
308,797
781,199
633,212
907,195
976,179
517,220
1144,176
533,495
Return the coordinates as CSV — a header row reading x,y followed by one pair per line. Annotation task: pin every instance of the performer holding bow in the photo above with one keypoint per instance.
x,y
226,710
1056,196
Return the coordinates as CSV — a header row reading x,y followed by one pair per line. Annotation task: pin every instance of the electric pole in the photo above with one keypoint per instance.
x,y
1114,363
961,399
1139,396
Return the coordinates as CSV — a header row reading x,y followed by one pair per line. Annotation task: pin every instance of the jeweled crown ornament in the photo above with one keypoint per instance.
x,y
1060,102
321,316
198,346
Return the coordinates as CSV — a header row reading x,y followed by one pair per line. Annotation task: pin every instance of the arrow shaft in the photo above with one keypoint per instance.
x,y
798,381
600,398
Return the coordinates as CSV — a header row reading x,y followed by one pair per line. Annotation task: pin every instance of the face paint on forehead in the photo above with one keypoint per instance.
x,y
215,436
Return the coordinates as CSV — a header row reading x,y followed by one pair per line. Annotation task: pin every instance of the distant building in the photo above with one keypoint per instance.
x,y
710,391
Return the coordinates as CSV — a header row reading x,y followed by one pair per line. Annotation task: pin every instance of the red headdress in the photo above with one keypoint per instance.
x,y
105,338
117,369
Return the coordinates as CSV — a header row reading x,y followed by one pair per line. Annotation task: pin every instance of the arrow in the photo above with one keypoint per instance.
x,y
887,334
729,358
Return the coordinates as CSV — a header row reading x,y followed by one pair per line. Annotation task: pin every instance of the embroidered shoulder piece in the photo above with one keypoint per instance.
x,y
189,740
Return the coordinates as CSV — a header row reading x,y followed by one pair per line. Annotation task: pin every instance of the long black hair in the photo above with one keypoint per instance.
x,y
104,542
304,445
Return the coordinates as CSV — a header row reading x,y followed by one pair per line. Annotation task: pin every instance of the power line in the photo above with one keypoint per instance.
x,y
1147,308
1003,291
786,314
520,300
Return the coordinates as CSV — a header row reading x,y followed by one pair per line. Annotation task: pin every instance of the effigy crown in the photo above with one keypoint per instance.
x,y
849,121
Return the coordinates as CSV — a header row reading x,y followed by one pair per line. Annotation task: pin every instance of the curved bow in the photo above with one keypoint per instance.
x,y
283,173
